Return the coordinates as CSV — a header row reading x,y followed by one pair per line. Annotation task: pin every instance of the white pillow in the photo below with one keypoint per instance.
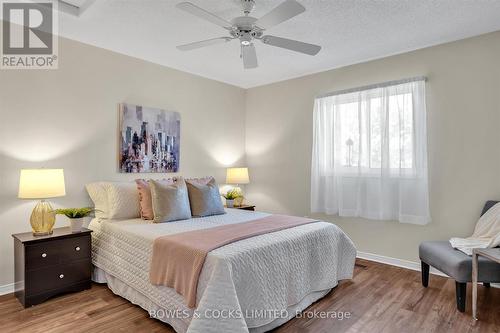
x,y
123,200
99,195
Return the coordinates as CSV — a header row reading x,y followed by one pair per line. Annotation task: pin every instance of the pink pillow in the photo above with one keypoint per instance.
x,y
146,203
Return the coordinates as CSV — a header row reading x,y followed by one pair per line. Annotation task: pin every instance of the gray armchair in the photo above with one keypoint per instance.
x,y
456,264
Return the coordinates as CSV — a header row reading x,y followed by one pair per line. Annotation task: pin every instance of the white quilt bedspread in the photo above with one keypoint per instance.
x,y
244,284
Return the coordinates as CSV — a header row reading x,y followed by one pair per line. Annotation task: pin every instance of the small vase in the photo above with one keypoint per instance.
x,y
76,224
229,203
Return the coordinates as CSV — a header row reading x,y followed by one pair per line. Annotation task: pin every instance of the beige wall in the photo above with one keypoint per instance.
x,y
463,105
67,118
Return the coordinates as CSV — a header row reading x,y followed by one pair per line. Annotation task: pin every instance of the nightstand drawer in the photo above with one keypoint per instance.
x,y
57,251
42,255
55,277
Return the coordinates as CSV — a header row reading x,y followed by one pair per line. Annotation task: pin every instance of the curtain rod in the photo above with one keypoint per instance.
x,y
374,86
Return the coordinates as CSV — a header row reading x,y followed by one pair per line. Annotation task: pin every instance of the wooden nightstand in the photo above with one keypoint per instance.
x,y
245,207
46,266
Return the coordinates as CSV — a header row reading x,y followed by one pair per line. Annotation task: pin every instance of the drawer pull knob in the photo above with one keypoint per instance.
x,y
77,248
44,255
61,276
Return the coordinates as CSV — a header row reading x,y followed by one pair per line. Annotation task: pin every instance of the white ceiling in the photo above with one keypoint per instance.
x,y
350,31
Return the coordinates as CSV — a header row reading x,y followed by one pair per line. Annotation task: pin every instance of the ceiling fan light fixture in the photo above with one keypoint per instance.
x,y
246,39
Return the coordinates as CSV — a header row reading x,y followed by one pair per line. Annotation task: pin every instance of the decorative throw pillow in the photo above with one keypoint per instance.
x,y
145,201
204,197
123,200
98,194
170,202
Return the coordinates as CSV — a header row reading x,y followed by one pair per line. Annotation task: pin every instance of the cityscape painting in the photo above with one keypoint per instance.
x,y
149,139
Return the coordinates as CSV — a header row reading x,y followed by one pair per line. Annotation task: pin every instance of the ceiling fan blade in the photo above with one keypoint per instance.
x,y
249,56
203,43
283,12
202,13
290,44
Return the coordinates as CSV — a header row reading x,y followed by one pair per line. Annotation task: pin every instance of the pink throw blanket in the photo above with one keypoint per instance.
x,y
178,259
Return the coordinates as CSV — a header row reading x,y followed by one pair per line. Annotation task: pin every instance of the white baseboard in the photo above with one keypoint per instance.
x,y
414,266
7,289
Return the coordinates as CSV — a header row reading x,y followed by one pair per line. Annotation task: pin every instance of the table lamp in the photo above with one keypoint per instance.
x,y
42,184
237,176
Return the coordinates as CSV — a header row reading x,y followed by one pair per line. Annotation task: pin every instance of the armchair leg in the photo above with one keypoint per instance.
x,y
425,274
461,290
486,284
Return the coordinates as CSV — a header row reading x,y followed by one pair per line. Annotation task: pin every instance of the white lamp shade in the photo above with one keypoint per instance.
x,y
41,183
237,176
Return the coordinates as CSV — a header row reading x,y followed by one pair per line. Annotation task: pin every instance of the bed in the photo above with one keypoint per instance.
x,y
252,285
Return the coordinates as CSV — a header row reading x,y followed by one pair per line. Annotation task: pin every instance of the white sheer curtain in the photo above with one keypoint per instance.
x,y
370,154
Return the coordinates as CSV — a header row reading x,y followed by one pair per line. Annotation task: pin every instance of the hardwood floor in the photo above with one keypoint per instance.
x,y
380,298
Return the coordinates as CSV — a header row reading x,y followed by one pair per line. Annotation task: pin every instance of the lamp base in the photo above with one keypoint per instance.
x,y
44,233
238,202
42,219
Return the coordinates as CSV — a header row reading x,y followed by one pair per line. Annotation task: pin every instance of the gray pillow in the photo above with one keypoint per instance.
x,y
204,197
170,201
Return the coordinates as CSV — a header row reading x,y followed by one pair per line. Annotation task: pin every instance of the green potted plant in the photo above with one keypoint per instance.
x,y
230,196
76,216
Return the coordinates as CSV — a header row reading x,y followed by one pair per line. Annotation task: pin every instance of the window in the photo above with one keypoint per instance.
x,y
362,129
370,152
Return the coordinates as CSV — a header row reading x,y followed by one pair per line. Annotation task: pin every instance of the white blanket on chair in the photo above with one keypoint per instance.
x,y
486,234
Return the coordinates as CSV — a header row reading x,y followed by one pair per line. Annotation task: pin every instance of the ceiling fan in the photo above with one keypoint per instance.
x,y
247,29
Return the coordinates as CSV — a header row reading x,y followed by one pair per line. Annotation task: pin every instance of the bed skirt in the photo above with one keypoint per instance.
x,y
120,288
